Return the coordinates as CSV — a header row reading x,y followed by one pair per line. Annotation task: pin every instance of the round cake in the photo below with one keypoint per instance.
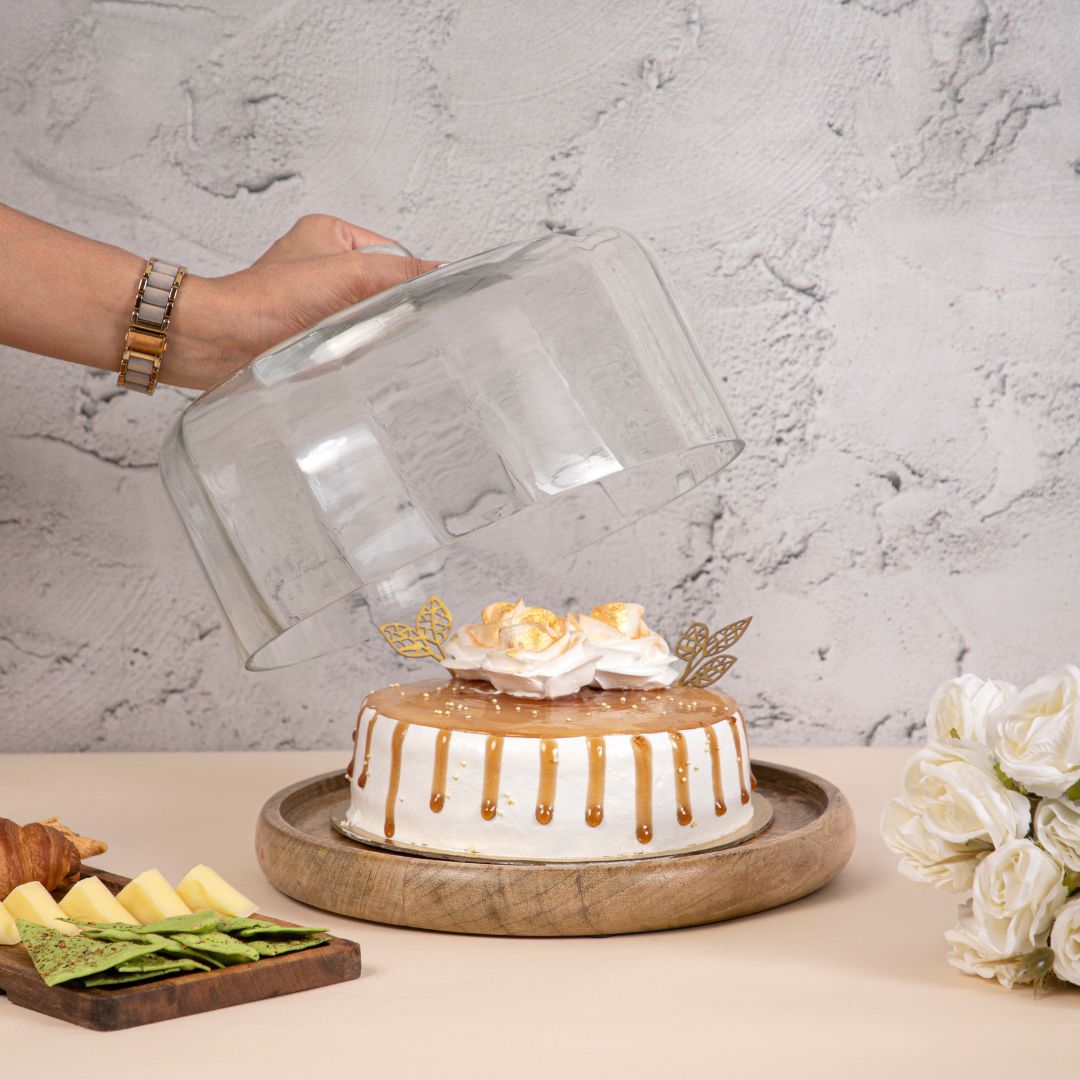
x,y
448,766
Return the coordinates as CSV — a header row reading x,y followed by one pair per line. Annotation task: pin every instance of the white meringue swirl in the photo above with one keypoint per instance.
x,y
526,652
632,657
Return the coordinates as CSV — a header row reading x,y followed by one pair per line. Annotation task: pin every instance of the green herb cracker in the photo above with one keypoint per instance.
x,y
286,945
104,933
60,957
269,929
157,962
228,949
110,978
200,922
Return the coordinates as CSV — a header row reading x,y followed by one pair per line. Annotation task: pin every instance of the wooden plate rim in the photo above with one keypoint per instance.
x,y
831,800
774,868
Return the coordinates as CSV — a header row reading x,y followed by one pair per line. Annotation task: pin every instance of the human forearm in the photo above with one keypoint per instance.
x,y
70,297
66,296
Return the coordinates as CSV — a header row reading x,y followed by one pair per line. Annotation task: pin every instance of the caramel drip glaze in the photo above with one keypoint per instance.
x,y
462,706
492,770
643,787
438,772
680,761
361,780
745,793
717,778
594,795
355,741
468,706
396,742
549,771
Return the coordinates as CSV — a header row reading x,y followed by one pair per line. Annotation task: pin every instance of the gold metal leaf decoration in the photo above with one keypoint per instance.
x,y
731,633
711,671
434,621
405,640
694,640
433,625
706,660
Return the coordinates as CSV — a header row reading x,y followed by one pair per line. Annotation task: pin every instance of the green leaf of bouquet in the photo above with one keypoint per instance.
x,y
1074,792
1006,780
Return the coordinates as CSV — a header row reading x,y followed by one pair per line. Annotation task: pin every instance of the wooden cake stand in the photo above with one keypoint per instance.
x,y
809,841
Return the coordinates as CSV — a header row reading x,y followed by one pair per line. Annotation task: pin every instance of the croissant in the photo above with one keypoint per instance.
x,y
49,853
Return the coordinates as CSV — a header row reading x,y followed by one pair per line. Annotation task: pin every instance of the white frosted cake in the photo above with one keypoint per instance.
x,y
556,738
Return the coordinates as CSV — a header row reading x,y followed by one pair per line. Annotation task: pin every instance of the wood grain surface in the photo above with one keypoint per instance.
x,y
809,842
180,995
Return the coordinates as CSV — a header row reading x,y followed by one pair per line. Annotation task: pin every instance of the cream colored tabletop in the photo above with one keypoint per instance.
x,y
849,982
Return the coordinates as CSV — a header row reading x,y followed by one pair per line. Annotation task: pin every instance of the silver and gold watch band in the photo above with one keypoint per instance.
x,y
145,341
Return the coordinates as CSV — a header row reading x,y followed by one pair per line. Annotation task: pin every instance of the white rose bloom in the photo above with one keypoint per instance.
x,y
952,785
962,706
1035,734
924,856
1065,941
1057,828
1017,892
972,954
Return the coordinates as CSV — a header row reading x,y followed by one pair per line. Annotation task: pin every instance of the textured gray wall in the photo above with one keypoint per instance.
x,y
871,210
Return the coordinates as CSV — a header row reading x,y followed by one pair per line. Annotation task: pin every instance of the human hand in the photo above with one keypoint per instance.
x,y
314,270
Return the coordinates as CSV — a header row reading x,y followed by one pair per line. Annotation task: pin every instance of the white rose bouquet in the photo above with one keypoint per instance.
x,y
991,808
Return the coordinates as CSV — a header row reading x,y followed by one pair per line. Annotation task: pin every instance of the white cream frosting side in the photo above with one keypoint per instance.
x,y
513,831
527,652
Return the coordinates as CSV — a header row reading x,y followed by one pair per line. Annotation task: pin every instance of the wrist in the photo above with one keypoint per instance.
x,y
203,346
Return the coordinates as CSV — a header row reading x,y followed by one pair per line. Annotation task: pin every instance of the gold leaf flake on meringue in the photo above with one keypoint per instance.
x,y
626,618
498,611
541,616
527,637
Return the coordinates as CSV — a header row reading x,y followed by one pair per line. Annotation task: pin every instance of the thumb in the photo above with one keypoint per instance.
x,y
374,273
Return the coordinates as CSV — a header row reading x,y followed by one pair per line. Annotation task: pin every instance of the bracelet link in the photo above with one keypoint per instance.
x,y
144,341
146,337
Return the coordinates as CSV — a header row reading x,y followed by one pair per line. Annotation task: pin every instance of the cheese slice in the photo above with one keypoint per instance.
x,y
90,901
150,898
204,888
9,932
33,903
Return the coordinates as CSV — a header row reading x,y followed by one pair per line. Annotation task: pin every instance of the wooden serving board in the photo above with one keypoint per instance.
x,y
809,842
179,995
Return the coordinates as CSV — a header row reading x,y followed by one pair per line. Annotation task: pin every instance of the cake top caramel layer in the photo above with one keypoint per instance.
x,y
467,706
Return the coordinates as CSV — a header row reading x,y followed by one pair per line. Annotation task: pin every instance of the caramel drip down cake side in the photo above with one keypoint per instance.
x,y
604,773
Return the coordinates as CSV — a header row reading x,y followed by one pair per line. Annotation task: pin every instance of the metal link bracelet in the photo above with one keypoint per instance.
x,y
145,340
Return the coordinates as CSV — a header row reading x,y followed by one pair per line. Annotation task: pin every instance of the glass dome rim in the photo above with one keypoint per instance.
x,y
737,443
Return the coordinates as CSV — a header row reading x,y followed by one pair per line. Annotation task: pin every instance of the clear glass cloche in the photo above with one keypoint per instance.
x,y
334,480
